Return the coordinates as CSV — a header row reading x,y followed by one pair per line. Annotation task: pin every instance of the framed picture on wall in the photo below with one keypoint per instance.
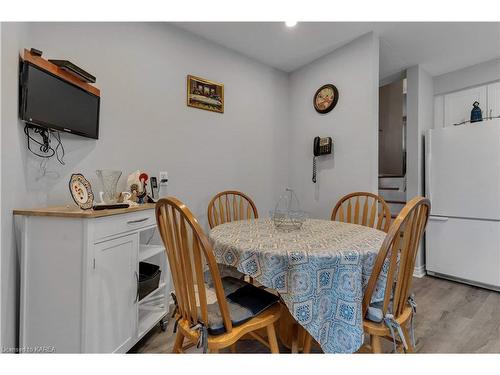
x,y
205,94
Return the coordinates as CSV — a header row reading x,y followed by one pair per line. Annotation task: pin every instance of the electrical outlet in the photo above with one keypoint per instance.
x,y
163,176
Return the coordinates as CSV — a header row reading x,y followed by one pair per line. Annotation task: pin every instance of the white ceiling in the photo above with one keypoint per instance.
x,y
440,47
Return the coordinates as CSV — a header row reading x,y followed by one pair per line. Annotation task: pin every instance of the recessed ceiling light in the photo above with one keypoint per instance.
x,y
291,23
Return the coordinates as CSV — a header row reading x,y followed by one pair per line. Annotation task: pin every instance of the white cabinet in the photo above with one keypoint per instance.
x,y
458,105
80,278
113,300
493,100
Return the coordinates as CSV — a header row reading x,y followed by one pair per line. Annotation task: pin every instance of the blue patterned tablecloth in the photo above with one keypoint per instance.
x,y
320,271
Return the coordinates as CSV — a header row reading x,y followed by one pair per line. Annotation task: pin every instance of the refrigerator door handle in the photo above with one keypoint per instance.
x,y
438,218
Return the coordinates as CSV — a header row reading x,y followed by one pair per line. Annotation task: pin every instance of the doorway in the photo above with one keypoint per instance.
x,y
392,129
392,144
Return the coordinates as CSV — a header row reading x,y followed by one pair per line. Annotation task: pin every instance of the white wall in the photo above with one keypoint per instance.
x,y
144,123
13,35
0,192
420,117
474,75
353,125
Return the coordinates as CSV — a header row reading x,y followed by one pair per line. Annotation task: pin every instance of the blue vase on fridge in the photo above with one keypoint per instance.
x,y
476,114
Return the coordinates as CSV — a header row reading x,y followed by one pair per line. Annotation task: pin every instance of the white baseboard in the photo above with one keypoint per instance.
x,y
419,271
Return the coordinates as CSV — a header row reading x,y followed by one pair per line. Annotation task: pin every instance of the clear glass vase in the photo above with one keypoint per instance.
x,y
287,214
109,181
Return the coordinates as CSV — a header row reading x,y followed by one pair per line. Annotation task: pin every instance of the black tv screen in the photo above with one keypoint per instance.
x,y
51,102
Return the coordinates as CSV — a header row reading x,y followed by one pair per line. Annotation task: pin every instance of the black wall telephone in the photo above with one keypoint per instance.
x,y
321,146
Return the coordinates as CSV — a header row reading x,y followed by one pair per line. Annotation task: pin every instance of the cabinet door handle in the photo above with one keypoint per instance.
x,y
136,299
130,222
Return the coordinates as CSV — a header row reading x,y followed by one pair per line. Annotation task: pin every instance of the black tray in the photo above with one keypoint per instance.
x,y
149,278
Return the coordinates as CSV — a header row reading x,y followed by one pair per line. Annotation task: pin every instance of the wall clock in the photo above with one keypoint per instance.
x,y
326,98
81,191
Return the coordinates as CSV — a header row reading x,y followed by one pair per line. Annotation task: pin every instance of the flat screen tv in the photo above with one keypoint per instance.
x,y
51,102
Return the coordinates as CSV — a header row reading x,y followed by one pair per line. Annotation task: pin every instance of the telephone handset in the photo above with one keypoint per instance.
x,y
321,146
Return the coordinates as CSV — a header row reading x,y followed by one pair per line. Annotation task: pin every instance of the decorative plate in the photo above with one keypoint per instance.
x,y
81,191
326,98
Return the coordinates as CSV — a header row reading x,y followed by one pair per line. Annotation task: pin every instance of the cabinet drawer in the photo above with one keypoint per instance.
x,y
118,224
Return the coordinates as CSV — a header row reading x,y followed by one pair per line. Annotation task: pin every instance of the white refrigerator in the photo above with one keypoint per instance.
x,y
462,180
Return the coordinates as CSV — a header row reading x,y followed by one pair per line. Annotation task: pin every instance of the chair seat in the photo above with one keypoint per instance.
x,y
245,301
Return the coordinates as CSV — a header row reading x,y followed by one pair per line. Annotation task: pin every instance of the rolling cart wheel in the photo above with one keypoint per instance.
x,y
163,324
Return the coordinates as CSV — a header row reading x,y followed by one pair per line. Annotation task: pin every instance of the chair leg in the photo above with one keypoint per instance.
x,y
179,340
375,344
233,348
307,343
271,336
295,338
410,349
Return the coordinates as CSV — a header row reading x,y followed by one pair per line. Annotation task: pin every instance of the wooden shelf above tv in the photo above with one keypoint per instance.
x,y
54,69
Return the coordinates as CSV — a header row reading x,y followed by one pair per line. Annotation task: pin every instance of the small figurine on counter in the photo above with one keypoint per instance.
x,y
137,183
143,178
134,186
126,197
137,195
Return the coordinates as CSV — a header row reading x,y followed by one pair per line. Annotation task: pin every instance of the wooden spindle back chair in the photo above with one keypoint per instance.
x,y
230,205
401,243
398,251
190,255
363,208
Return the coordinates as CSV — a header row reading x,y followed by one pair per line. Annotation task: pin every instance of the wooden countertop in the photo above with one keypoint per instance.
x,y
75,212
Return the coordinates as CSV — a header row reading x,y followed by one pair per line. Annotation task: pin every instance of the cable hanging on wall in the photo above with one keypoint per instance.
x,y
45,149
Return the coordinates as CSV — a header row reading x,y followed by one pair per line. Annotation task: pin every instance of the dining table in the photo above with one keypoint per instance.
x,y
320,271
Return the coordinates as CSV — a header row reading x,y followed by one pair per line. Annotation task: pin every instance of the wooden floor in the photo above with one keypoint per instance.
x,y
451,318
